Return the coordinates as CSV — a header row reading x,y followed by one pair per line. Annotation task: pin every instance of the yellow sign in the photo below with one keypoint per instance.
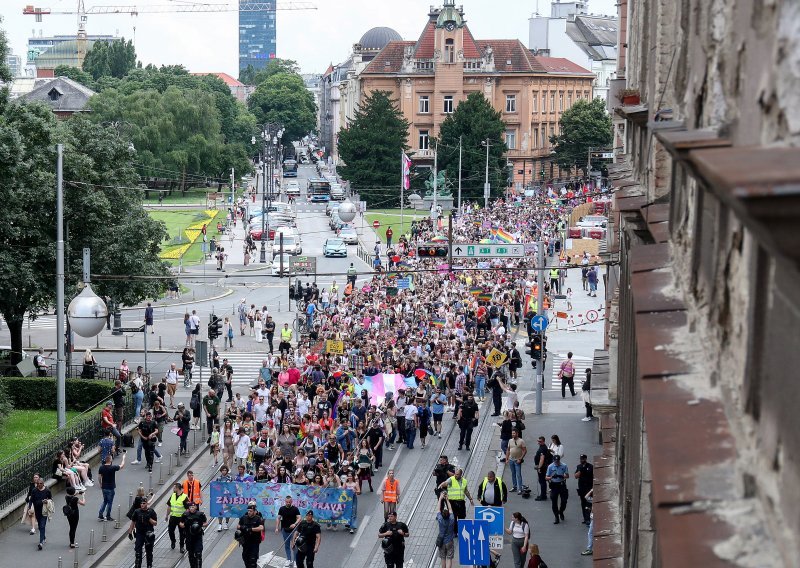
x,y
335,347
496,358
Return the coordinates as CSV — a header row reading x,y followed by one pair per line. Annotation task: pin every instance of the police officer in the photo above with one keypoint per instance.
x,y
286,339
176,506
306,541
192,524
251,525
269,332
143,521
352,273
393,535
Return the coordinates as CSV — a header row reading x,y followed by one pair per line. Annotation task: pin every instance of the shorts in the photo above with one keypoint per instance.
x,y
195,331
437,418
171,388
447,550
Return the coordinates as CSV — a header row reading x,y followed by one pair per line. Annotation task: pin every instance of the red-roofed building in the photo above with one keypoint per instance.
x,y
238,89
430,76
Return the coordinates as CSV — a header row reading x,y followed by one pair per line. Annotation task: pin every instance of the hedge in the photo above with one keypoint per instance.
x,y
6,406
35,393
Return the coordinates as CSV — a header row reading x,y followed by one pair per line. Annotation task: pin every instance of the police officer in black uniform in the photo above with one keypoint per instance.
x,y
251,525
393,536
144,520
192,523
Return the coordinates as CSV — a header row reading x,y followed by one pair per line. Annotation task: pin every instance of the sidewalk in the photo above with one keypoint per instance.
x,y
19,547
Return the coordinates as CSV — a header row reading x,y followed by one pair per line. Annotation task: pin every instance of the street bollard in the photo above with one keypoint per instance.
x,y
97,341
161,473
119,515
194,439
126,342
91,542
75,558
103,535
60,565
151,481
177,459
130,500
169,471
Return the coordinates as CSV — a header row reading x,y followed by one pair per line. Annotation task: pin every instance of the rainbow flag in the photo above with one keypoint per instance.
x,y
485,296
503,236
438,322
475,290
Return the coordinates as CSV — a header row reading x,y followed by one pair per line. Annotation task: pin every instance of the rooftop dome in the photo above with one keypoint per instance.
x,y
377,38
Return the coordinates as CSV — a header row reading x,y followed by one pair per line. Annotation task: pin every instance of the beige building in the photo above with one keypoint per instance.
x,y
432,75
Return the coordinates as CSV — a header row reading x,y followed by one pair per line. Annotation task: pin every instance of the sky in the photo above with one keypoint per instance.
x,y
208,42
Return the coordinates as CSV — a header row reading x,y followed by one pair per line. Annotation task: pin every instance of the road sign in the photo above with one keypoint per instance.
x,y
473,542
335,347
201,352
496,519
139,329
302,264
496,358
477,250
376,224
539,323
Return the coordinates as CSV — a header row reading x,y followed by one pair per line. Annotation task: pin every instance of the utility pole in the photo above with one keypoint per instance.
x,y
263,257
434,211
402,189
460,140
540,311
450,243
486,187
61,369
233,193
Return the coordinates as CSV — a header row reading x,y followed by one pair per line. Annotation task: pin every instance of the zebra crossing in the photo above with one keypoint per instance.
x,y
246,365
42,322
581,364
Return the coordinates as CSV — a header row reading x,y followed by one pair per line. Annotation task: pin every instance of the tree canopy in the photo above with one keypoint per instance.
x,y
283,99
583,126
474,120
110,59
77,75
252,76
370,148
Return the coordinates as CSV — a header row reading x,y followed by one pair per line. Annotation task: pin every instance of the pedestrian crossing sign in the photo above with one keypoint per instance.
x,y
335,347
496,358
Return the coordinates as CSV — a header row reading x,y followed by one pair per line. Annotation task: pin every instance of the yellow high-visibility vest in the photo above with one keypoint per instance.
x,y
286,334
177,504
455,490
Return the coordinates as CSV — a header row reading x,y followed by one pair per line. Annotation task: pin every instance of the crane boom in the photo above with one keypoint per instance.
x,y
161,9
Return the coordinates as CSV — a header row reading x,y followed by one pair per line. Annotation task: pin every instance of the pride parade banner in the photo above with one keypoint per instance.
x,y
330,506
378,385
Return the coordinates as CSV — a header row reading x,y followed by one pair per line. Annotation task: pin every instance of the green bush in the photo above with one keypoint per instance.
x,y
39,393
6,405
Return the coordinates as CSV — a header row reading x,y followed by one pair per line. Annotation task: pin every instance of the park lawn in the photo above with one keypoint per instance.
x,y
392,217
177,221
194,196
25,427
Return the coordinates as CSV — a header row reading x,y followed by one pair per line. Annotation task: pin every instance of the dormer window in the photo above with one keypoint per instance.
x,y
54,94
449,51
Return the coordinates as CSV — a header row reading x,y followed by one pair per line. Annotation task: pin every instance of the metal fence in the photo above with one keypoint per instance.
x,y
17,471
77,372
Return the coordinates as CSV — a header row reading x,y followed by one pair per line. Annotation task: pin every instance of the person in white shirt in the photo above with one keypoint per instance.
x,y
303,404
242,443
260,412
172,384
556,447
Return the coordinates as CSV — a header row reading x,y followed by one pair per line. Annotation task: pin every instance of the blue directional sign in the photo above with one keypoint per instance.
x,y
473,542
539,323
496,519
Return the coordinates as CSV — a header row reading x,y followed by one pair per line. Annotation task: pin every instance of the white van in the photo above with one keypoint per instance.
x,y
337,192
291,241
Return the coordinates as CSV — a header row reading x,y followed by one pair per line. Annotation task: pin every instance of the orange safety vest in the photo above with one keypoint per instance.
x,y
192,491
390,491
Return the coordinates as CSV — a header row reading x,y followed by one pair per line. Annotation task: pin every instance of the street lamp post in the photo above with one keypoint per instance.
x,y
270,133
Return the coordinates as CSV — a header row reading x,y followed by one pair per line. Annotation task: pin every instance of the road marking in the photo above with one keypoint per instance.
x,y
228,551
364,523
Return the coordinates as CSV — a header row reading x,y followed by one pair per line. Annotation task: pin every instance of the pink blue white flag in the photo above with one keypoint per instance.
x,y
406,172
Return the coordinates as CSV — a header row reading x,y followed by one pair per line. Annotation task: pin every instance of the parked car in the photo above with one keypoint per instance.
x,y
334,247
293,189
291,244
331,207
349,235
335,222
276,265
337,192
592,221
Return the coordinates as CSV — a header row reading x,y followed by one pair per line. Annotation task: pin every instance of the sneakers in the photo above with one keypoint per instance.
x,y
587,552
562,516
586,419
225,525
160,444
439,434
134,462
101,519
158,460
109,519
219,528
33,531
88,483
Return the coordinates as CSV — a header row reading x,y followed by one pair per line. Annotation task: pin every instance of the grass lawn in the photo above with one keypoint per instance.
x,y
177,222
392,217
24,427
194,196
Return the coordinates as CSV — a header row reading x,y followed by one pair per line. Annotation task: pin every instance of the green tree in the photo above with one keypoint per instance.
x,y
101,211
78,75
252,76
284,99
583,126
370,148
110,59
474,121
5,72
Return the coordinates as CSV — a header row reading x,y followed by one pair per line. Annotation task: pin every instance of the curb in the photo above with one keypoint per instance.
x,y
225,294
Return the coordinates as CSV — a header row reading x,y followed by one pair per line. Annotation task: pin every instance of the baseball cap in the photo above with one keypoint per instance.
x,y
109,403
583,456
556,457
180,404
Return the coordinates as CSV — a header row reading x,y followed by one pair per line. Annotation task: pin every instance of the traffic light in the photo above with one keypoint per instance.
x,y
536,347
432,251
542,173
214,327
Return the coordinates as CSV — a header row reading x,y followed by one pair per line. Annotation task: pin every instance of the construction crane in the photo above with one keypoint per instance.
x,y
134,10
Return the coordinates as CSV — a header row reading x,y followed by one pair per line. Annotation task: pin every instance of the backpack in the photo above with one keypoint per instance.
x,y
134,388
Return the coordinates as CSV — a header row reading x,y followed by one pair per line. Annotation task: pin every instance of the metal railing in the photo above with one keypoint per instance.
x,y
17,470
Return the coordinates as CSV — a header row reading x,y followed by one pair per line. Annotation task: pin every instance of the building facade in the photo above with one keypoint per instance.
x,y
700,439
257,36
14,63
45,53
431,76
590,40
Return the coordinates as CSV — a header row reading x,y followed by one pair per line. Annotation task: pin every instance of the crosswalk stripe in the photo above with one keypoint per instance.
x,y
43,322
246,366
580,363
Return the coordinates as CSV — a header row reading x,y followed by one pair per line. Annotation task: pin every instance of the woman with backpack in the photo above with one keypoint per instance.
x,y
520,533
72,513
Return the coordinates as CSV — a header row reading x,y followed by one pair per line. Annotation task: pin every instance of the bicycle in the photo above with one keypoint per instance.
x,y
300,323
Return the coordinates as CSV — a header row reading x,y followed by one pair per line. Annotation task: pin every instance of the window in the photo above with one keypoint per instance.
x,y
424,104
552,131
449,51
577,96
535,138
448,104
544,102
423,139
553,101
511,139
569,100
586,95
560,102
534,99
511,103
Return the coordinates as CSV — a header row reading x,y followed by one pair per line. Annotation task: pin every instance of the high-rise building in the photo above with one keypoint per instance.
x,y
14,63
257,33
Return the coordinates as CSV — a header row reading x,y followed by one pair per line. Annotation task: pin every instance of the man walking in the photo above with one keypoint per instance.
x,y
584,473
515,455
557,475
148,318
457,491
144,520
567,376
306,542
269,333
108,484
211,404
592,277
251,525
390,494
467,418
192,524
393,535
176,507
542,461
288,519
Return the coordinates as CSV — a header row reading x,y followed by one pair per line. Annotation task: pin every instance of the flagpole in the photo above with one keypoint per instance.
x,y
402,189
